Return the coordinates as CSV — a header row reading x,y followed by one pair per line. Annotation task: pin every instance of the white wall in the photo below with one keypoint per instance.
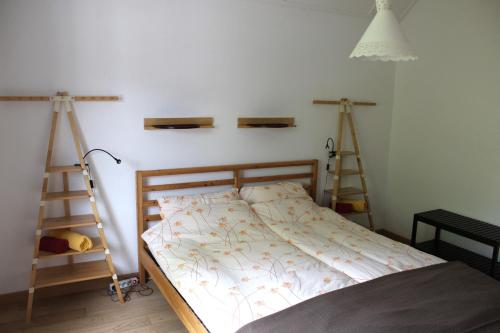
x,y
220,58
445,140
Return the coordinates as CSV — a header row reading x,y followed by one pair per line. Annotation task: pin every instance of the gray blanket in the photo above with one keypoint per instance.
x,y
450,297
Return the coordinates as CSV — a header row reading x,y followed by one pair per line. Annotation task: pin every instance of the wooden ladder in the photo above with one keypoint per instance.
x,y
72,272
339,192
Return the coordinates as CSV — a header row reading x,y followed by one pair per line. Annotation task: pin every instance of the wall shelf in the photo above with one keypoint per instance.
x,y
266,122
178,123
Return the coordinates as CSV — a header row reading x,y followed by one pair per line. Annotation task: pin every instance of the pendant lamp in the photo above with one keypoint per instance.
x,y
384,39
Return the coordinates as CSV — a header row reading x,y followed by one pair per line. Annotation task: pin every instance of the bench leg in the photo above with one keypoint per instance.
x,y
437,238
414,232
494,260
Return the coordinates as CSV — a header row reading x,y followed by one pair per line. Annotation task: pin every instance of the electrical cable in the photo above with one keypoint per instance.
x,y
326,182
331,154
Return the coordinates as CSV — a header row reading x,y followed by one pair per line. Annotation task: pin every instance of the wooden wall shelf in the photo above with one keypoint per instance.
x,y
266,122
338,102
178,123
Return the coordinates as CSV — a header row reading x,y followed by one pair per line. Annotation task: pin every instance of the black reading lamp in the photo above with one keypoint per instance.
x,y
117,160
330,146
331,153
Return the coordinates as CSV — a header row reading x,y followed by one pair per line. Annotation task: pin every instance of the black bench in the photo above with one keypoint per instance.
x,y
464,226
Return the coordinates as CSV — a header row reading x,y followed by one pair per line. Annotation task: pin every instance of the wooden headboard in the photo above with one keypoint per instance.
x,y
238,178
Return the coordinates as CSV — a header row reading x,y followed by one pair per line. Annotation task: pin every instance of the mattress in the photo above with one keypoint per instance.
x,y
234,264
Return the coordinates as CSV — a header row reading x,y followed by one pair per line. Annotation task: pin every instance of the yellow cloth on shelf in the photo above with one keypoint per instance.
x,y
77,242
357,205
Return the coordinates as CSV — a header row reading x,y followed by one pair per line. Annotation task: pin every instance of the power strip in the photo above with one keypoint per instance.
x,y
124,284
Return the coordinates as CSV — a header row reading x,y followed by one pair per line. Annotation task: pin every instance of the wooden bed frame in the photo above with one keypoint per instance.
x,y
147,264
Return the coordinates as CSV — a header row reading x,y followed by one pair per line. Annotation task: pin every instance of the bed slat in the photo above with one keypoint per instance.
x,y
275,177
179,186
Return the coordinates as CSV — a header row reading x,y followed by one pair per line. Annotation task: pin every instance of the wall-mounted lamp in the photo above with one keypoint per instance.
x,y
91,181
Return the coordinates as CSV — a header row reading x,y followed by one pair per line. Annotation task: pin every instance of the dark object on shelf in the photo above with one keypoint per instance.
x,y
266,122
277,125
343,208
464,226
183,126
178,123
54,245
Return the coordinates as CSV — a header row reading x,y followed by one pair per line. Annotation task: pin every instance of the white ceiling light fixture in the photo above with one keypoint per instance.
x,y
384,39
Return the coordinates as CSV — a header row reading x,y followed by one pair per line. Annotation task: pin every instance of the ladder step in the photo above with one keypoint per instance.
x,y
69,195
346,191
66,222
346,172
57,275
65,168
356,213
98,247
347,153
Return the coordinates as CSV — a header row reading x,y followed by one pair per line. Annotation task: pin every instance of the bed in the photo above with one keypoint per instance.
x,y
246,266
236,176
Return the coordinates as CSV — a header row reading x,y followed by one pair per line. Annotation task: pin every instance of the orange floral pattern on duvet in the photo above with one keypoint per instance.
x,y
232,269
344,245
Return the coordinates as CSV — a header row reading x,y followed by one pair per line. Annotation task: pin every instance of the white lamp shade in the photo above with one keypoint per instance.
x,y
384,39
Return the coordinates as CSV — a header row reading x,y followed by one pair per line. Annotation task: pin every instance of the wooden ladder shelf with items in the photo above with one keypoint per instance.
x,y
339,192
72,272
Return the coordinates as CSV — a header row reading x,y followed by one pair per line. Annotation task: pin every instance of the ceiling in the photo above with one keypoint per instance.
x,y
358,8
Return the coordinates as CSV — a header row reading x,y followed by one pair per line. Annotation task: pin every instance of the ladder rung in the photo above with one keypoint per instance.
x,y
347,153
346,191
69,195
57,275
356,213
68,222
65,168
346,172
98,247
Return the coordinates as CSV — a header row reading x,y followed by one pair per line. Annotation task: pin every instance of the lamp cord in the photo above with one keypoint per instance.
x,y
118,161
326,182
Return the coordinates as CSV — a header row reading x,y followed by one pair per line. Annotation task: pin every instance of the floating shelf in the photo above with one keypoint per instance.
x,y
338,102
266,122
177,123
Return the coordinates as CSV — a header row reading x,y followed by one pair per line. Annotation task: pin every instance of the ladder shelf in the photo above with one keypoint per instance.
x,y
72,272
337,191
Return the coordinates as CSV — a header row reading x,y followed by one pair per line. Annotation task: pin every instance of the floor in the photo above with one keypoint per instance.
x,y
93,312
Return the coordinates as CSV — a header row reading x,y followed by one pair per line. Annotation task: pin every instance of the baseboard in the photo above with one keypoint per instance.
x,y
393,236
72,288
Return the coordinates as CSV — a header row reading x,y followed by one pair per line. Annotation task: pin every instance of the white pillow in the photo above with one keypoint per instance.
x,y
172,204
265,193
